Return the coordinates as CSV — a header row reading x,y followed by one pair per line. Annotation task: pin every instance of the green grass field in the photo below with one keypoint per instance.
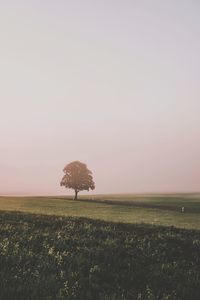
x,y
64,258
48,251
151,209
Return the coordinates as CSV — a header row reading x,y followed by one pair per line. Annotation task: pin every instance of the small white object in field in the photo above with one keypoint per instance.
x,y
183,209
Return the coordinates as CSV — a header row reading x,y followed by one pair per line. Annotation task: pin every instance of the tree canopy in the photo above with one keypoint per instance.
x,y
77,177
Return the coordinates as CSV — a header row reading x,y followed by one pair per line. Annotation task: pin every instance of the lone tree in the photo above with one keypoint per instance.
x,y
77,177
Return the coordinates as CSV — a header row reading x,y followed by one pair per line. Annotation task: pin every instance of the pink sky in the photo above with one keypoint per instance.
x,y
115,84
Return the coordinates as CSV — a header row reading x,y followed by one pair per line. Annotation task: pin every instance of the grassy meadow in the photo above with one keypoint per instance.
x,y
59,258
108,247
150,209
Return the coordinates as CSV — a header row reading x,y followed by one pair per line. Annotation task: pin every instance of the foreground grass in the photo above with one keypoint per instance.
x,y
155,209
47,257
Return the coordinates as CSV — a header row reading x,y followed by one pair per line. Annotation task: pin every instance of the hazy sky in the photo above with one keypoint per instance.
x,y
112,83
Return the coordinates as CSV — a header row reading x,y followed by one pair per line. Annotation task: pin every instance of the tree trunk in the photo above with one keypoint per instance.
x,y
76,195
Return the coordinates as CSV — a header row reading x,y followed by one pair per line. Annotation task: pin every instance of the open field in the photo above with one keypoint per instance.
x,y
54,258
151,209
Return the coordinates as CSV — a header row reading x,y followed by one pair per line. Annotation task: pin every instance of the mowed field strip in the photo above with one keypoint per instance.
x,y
151,209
